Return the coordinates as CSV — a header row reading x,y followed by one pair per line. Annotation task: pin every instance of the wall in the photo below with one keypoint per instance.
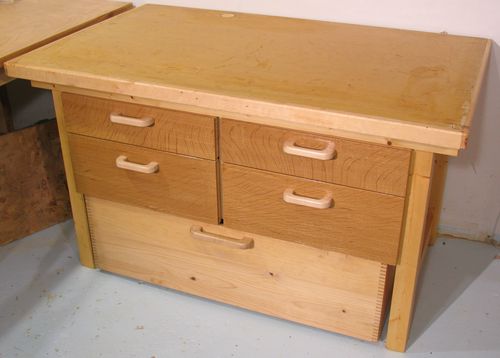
x,y
472,197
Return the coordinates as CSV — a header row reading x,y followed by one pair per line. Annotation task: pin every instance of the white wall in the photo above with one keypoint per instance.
x,y
472,197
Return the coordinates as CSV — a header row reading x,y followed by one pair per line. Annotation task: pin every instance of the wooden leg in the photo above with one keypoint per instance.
x,y
408,266
437,191
5,118
77,200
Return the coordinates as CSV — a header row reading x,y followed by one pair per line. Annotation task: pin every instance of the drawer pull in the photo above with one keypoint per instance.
x,y
198,234
327,153
324,203
129,121
123,163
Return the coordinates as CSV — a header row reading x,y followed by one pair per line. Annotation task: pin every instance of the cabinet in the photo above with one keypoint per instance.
x,y
281,165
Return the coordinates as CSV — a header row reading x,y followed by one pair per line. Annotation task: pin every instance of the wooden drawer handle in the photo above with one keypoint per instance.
x,y
123,163
324,203
328,153
130,121
198,234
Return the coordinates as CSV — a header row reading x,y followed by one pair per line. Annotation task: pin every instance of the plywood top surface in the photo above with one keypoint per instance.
x,y
352,71
27,24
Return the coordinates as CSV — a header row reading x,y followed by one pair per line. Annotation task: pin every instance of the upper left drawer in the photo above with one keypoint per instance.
x,y
157,128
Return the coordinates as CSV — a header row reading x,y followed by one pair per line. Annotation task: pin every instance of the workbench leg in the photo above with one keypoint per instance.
x,y
5,117
412,243
77,200
437,191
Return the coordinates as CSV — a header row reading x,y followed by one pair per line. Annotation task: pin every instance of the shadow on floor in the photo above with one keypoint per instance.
x,y
449,268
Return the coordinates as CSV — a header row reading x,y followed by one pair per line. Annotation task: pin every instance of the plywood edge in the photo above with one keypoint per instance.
x,y
476,91
90,219
388,132
120,8
380,304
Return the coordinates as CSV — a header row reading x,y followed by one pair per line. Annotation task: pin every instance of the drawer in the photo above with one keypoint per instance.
x,y
327,216
336,292
335,160
157,128
158,180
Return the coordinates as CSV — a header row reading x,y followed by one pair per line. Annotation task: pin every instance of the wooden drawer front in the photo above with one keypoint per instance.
x,y
172,131
323,289
355,164
182,185
358,222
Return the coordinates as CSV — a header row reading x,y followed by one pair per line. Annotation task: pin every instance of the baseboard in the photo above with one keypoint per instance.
x,y
473,235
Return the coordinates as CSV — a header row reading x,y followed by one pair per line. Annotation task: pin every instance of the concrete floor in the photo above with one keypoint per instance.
x,y
52,307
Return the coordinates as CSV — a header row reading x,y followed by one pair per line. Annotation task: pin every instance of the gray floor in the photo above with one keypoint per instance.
x,y
51,306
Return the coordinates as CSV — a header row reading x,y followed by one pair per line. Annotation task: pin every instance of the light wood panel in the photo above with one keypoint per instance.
x,y
409,261
436,195
401,85
182,185
33,193
172,131
323,289
360,223
356,164
77,200
28,24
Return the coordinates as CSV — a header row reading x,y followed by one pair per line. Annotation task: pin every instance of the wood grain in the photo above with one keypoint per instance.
x,y
77,200
356,164
323,289
172,131
4,79
183,185
28,24
415,136
33,192
409,262
402,85
436,195
360,223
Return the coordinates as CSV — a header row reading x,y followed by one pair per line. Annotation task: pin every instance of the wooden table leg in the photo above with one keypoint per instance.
x,y
412,243
437,191
78,206
5,117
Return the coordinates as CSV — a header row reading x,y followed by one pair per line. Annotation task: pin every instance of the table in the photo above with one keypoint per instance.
x,y
288,166
28,24
34,199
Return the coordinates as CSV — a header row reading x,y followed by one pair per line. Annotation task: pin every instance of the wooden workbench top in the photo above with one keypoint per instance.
x,y
27,24
403,88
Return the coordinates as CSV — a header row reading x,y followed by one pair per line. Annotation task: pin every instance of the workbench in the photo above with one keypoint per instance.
x,y
287,166
33,192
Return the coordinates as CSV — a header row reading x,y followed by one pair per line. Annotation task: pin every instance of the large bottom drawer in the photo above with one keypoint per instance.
x,y
328,290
